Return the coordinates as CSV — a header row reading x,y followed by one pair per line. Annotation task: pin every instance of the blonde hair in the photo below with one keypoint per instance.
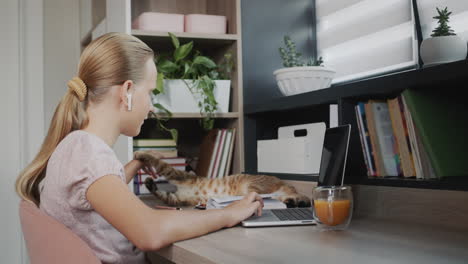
x,y
109,60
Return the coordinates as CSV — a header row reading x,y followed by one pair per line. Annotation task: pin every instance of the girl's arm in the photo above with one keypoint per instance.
x,y
151,229
131,169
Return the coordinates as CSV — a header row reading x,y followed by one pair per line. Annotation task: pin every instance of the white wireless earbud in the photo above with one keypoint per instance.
x,y
129,101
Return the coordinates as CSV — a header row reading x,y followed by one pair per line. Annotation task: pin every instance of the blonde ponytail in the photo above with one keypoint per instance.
x,y
109,60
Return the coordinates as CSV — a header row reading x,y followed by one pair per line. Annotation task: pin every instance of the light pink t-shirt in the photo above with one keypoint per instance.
x,y
80,159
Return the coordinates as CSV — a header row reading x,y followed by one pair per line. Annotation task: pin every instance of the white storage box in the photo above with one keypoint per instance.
x,y
210,24
154,21
177,97
291,154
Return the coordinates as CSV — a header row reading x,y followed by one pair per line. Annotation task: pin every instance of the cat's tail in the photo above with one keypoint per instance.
x,y
161,167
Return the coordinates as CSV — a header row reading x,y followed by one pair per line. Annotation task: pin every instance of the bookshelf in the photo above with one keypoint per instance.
x,y
118,16
262,119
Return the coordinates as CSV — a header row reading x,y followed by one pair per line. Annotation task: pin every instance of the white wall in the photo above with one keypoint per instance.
x,y
21,111
39,52
61,50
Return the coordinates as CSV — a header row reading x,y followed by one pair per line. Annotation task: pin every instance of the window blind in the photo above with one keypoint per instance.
x,y
363,38
458,19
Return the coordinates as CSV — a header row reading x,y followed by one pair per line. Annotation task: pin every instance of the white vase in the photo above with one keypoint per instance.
x,y
177,97
437,50
296,80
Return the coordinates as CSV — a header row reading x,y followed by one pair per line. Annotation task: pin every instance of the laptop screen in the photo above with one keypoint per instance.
x,y
334,154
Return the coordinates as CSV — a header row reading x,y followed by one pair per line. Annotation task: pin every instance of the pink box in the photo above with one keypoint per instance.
x,y
195,23
154,21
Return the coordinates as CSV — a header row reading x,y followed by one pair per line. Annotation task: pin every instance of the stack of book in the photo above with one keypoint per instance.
x,y
413,135
216,153
139,187
168,148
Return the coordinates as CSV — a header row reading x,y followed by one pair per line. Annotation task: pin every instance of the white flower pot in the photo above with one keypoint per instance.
x,y
178,98
437,50
296,80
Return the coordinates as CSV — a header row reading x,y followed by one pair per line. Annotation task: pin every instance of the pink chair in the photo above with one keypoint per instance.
x,y
49,241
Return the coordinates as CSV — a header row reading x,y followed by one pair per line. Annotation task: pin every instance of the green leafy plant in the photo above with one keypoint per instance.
x,y
292,58
184,63
443,29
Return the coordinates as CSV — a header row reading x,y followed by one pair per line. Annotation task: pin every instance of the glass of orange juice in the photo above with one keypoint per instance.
x,y
333,207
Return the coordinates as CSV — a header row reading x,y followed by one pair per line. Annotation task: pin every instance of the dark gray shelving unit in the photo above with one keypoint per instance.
x,y
263,119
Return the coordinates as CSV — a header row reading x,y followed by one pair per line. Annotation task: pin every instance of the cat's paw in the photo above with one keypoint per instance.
x,y
296,201
151,185
147,155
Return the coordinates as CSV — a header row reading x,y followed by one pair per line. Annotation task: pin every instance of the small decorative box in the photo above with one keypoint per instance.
x,y
154,21
196,23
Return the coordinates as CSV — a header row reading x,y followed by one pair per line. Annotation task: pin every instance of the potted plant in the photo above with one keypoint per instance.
x,y
444,45
190,82
300,77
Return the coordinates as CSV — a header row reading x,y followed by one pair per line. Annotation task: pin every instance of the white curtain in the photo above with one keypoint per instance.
x,y
363,38
458,20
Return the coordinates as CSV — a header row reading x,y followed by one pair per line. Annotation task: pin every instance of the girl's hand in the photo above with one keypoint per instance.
x,y
146,158
243,209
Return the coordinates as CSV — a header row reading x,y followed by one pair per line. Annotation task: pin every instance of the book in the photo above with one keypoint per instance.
x,y
154,142
217,159
399,131
439,119
365,140
373,138
413,142
231,150
166,152
385,139
213,154
206,152
175,160
268,201
224,155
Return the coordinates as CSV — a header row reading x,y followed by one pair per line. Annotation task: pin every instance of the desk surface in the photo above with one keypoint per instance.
x,y
366,241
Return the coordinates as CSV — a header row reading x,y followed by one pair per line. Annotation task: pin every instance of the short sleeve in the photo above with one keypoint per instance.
x,y
101,162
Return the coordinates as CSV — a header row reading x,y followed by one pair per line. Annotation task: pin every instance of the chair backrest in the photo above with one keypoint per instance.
x,y
49,241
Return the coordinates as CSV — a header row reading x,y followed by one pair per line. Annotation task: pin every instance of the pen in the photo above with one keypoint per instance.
x,y
167,207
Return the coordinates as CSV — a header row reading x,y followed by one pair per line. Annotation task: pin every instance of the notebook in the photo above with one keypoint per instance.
x,y
332,171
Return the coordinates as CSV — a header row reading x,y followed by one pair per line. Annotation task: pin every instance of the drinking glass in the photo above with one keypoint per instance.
x,y
333,207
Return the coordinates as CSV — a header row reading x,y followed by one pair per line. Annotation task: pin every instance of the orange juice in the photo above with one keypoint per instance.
x,y
332,213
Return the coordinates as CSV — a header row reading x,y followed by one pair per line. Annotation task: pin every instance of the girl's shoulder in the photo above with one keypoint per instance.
x,y
83,145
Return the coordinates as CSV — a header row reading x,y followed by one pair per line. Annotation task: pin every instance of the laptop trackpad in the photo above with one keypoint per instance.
x,y
266,216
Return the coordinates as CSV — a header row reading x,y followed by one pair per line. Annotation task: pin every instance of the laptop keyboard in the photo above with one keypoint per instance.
x,y
293,214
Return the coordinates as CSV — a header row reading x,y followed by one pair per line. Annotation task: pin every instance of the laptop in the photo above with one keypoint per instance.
x,y
332,171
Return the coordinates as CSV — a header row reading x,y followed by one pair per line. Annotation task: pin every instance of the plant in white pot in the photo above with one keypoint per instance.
x,y
190,82
300,77
444,45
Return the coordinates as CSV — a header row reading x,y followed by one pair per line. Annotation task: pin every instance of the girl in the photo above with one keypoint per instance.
x,y
76,177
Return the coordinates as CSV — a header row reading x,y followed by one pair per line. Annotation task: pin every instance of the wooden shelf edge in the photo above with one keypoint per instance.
x,y
185,35
198,115
367,88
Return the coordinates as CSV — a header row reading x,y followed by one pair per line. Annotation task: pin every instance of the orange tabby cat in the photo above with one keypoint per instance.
x,y
192,189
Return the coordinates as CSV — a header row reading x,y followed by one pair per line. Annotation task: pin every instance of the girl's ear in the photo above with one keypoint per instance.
x,y
126,91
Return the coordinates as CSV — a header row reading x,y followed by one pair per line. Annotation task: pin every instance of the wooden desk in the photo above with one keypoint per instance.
x,y
366,241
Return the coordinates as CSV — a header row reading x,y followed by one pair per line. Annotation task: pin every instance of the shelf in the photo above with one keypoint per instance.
x,y
155,38
449,183
377,87
198,115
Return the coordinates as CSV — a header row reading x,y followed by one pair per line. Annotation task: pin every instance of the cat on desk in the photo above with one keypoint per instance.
x,y
193,189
